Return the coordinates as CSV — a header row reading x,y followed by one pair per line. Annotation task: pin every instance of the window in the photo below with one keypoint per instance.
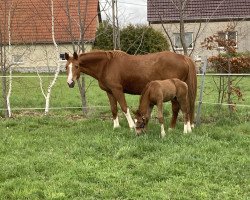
x,y
188,38
17,59
229,35
62,56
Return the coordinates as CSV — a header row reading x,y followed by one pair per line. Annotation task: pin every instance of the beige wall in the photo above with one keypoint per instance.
x,y
208,29
42,56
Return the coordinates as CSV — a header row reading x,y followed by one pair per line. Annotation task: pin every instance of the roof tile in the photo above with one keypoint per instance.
x,y
167,10
31,20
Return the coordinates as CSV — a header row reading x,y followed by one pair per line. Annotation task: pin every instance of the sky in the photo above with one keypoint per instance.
x,y
129,11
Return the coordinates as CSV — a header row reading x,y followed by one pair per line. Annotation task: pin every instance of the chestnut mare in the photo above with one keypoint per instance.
x,y
118,72
156,93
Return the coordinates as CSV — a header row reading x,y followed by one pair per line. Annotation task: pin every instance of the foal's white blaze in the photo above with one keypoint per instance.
x,y
70,75
116,123
163,133
129,118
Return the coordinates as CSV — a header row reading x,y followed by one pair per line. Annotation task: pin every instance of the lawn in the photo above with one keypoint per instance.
x,y
63,158
66,156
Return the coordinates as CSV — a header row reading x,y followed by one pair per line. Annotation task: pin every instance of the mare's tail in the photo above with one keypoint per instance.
x,y
192,87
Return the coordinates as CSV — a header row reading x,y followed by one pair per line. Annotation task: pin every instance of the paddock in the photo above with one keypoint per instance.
x,y
67,156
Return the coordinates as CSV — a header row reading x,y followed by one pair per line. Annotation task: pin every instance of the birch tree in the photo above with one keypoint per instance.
x,y
49,89
6,56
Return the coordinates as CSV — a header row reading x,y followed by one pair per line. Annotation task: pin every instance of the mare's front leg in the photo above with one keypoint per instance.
x,y
114,109
120,97
160,118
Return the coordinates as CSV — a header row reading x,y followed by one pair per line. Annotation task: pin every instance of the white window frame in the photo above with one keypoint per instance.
x,y
17,59
60,57
226,38
181,48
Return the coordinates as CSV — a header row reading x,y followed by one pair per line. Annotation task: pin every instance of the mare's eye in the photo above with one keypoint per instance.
x,y
76,66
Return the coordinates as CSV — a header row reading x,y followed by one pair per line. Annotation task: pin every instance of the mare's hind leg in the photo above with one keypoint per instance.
x,y
114,110
120,97
186,117
175,112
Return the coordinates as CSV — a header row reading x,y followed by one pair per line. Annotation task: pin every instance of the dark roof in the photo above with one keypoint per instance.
x,y
31,20
198,10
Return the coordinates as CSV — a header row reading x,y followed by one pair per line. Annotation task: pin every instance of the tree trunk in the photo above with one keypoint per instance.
x,y
182,27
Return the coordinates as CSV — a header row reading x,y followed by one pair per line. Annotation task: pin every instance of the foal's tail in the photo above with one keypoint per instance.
x,y
192,87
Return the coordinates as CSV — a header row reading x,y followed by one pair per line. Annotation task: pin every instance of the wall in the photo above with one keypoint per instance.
x,y
208,29
41,57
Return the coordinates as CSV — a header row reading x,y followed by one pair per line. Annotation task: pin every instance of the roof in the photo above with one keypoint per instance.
x,y
31,20
198,10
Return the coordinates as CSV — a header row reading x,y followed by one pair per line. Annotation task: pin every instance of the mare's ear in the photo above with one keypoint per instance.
x,y
75,56
66,56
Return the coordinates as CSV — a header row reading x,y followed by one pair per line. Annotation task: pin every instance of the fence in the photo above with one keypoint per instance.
x,y
27,96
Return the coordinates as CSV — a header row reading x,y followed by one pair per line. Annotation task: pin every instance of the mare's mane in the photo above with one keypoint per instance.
x,y
109,54
115,53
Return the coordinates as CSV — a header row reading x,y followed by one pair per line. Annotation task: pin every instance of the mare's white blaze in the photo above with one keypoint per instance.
x,y
129,118
163,133
116,123
185,128
70,75
189,129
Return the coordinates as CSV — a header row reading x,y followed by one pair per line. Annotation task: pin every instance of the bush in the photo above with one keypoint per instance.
x,y
135,39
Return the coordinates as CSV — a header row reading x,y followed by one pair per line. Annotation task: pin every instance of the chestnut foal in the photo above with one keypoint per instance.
x,y
157,92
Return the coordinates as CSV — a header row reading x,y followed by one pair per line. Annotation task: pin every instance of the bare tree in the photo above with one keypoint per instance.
x,y
6,56
47,96
78,44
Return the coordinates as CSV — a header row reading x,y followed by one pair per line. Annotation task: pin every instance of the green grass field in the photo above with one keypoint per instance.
x,y
66,156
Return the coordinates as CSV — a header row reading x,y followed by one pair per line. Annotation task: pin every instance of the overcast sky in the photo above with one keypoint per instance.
x,y
129,11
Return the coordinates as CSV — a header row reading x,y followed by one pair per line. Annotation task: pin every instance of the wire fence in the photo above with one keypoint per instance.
x,y
27,96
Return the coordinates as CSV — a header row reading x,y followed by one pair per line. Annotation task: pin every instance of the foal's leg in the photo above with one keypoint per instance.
x,y
114,110
175,112
120,97
160,117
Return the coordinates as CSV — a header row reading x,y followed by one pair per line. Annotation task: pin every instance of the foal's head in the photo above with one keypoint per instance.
x,y
141,122
72,68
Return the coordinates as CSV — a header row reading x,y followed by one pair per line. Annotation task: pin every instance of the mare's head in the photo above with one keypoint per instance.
x,y
141,122
72,69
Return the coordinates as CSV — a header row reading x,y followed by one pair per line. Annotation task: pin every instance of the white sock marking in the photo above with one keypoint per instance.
x,y
189,130
185,128
70,75
163,133
116,123
130,120
192,125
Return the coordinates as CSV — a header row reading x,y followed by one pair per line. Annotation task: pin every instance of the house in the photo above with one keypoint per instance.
x,y
26,31
202,18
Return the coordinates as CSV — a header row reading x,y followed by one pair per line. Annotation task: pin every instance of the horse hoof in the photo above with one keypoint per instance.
x,y
116,127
